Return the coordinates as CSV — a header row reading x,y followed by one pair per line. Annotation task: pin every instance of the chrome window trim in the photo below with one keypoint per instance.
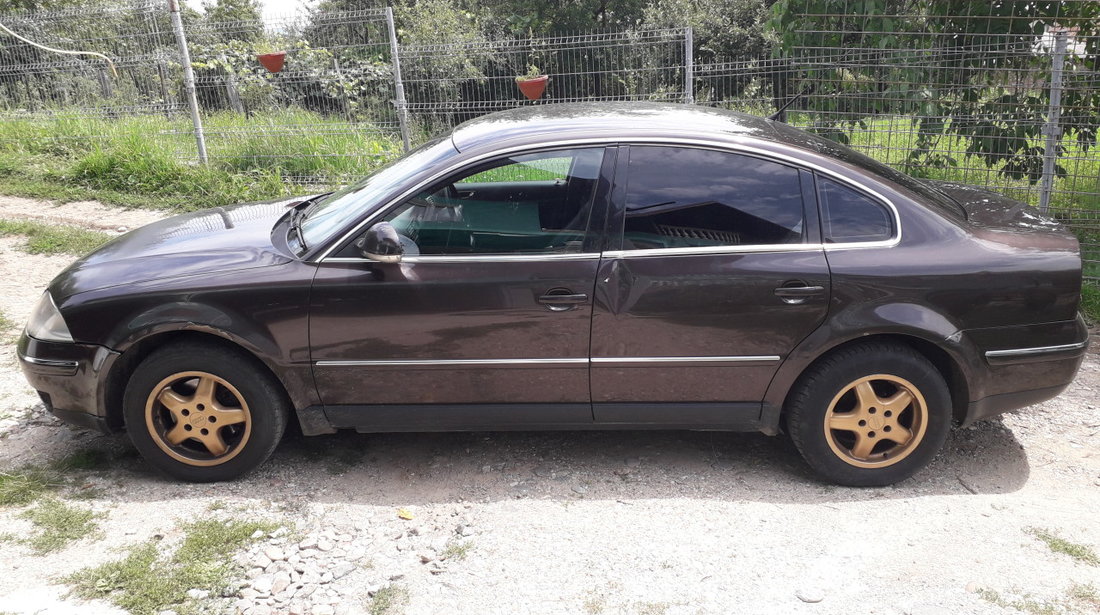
x,y
50,362
708,250
1023,352
667,141
561,361
479,258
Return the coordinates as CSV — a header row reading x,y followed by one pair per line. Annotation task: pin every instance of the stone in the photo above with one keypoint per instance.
x,y
258,534
309,542
326,577
263,583
325,544
280,582
811,595
260,609
254,572
198,594
342,570
322,609
306,591
581,489
274,554
261,561
467,531
297,607
249,594
426,557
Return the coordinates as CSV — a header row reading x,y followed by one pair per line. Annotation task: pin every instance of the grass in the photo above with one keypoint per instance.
x,y
144,582
389,600
1057,544
1079,599
151,160
457,550
53,239
26,484
58,524
1090,302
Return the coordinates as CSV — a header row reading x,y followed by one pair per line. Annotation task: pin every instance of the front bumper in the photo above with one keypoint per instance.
x,y
70,378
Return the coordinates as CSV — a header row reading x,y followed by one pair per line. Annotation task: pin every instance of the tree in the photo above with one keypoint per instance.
x,y
932,59
234,20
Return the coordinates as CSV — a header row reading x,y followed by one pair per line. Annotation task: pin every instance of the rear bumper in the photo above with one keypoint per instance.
x,y
1033,370
69,378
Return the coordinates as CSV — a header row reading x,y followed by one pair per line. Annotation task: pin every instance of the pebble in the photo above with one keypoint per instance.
x,y
263,583
323,609
274,554
197,594
812,595
580,489
342,570
325,544
280,582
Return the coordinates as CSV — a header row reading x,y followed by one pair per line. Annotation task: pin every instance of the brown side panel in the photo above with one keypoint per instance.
x,y
715,305
467,311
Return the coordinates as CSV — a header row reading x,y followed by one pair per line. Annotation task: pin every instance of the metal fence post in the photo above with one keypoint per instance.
x,y
689,66
1052,130
188,78
399,86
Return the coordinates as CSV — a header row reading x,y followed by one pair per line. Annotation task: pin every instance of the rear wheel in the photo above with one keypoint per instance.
x,y
204,413
871,414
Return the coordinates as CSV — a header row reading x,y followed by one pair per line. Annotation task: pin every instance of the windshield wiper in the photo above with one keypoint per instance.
x,y
301,210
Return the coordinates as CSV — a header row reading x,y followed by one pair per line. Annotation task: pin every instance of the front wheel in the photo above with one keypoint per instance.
x,y
870,415
203,413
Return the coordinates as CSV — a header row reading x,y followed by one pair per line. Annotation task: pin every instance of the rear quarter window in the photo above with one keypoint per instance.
x,y
850,216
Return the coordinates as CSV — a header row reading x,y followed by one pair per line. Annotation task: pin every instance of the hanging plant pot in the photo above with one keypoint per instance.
x,y
273,62
534,87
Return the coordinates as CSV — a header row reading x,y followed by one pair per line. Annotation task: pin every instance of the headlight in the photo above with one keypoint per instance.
x,y
46,323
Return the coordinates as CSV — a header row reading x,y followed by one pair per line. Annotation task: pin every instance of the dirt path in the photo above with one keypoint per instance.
x,y
633,522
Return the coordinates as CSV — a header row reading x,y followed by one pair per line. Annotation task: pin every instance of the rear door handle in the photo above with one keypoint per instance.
x,y
561,299
795,295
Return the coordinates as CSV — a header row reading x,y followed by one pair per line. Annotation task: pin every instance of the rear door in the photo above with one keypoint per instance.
x,y
715,273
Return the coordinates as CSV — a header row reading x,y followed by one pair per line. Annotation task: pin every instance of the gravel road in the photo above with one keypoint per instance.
x,y
578,522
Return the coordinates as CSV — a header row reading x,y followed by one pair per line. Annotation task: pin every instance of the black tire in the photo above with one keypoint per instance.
x,y
204,413
866,387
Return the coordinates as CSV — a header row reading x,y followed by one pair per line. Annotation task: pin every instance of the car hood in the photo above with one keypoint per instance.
x,y
213,240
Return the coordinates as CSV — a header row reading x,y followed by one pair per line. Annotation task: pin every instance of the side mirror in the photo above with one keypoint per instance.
x,y
381,243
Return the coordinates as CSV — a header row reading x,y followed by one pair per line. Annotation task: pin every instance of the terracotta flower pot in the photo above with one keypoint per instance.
x,y
273,62
533,89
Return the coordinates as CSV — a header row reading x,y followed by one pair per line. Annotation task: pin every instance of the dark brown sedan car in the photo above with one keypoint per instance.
x,y
604,266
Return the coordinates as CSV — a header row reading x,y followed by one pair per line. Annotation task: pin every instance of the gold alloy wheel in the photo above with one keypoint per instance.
x,y
198,418
876,421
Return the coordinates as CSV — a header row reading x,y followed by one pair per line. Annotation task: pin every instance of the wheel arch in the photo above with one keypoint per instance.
x,y
114,385
950,367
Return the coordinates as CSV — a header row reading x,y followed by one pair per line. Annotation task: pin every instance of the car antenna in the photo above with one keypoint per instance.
x,y
779,114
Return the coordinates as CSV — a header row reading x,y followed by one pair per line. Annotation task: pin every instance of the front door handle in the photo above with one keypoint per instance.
x,y
562,299
795,295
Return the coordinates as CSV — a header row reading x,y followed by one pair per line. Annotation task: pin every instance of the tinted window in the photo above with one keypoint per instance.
x,y
535,203
681,197
851,216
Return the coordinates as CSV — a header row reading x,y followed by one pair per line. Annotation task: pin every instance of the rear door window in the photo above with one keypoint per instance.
x,y
680,197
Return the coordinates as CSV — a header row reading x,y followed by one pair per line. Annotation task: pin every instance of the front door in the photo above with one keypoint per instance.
x,y
717,275
491,304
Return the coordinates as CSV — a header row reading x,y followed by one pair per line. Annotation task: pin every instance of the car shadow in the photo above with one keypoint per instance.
x,y
430,468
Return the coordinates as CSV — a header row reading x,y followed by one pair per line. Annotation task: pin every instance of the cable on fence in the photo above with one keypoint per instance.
x,y
110,64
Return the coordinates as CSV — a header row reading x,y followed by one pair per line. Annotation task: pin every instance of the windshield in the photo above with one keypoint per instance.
x,y
348,204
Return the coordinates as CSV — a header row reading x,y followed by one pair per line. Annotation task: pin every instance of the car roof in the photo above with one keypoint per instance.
x,y
611,120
